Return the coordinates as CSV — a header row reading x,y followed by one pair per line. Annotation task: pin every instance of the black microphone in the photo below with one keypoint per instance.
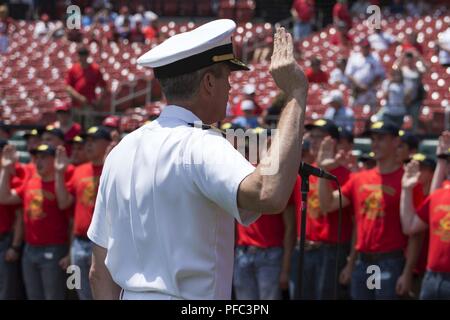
x,y
309,170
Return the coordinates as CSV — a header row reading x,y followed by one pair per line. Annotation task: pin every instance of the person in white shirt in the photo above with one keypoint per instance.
x,y
341,115
365,72
169,191
381,41
337,76
443,46
394,93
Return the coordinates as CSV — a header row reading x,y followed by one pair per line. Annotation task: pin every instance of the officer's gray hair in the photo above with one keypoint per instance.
x,y
185,86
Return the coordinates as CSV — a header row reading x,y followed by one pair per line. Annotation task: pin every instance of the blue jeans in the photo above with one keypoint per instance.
x,y
301,30
43,277
435,286
81,256
390,271
319,273
257,273
10,279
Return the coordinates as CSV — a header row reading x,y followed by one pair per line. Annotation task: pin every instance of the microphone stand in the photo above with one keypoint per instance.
x,y
304,191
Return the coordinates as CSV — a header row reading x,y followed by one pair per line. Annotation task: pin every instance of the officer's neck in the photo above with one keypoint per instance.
x,y
201,110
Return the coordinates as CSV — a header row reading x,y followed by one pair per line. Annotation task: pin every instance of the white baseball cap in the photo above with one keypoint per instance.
x,y
193,50
247,105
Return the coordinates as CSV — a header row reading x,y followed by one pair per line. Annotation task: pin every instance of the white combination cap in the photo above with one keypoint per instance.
x,y
193,50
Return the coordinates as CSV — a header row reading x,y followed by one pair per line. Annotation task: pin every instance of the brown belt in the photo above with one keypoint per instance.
x,y
314,245
371,257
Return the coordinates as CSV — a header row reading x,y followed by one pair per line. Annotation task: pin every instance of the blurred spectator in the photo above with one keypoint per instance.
x,y
88,17
417,8
151,32
248,120
314,73
106,16
112,123
396,7
45,256
342,38
81,81
124,29
337,75
341,115
249,91
79,155
5,22
365,71
395,94
146,17
413,68
303,13
123,18
411,43
263,52
65,123
341,13
136,33
443,47
380,40
359,8
43,26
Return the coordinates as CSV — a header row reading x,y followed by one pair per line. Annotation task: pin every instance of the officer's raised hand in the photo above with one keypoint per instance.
x,y
285,71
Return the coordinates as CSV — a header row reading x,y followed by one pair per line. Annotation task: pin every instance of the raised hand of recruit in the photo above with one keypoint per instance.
x,y
411,176
61,159
326,158
285,71
444,143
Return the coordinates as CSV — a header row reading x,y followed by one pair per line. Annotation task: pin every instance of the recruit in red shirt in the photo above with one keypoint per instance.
x,y
376,204
45,223
84,81
267,231
84,186
8,212
324,228
435,211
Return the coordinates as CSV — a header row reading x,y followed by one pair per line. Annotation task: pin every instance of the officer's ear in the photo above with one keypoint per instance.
x,y
208,83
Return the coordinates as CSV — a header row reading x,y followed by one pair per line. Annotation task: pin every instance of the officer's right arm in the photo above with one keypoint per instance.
x,y
268,190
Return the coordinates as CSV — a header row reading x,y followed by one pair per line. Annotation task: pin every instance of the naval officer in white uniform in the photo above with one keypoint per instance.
x,y
163,221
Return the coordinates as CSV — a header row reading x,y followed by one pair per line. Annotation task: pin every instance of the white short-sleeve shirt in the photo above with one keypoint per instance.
x,y
364,69
165,209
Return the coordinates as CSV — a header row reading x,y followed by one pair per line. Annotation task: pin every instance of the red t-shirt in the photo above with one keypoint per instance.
x,y
8,212
435,211
446,184
343,39
84,81
341,12
84,186
316,77
324,228
304,9
45,223
376,202
266,232
236,110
